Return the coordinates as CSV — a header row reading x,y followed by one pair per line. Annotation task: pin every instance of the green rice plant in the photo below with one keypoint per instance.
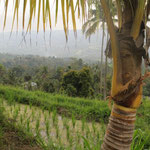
x,y
67,131
47,126
49,110
86,143
28,125
83,124
30,105
25,110
21,119
78,137
90,146
57,131
97,136
73,121
103,128
93,126
65,122
70,142
140,139
87,131
16,113
37,127
45,117
33,114
54,117
18,108
39,115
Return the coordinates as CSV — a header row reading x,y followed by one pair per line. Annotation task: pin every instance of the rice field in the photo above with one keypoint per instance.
x,y
58,122
53,130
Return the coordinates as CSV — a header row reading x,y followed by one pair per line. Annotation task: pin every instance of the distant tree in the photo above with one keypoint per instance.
x,y
3,74
27,78
48,86
77,83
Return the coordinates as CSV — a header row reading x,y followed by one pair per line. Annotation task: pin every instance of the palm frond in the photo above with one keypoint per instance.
x,y
92,29
6,6
119,8
138,19
117,78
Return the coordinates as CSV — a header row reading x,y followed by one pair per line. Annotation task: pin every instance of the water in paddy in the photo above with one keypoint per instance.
x,y
53,128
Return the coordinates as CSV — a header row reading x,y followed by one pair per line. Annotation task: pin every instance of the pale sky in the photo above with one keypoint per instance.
x,y
59,25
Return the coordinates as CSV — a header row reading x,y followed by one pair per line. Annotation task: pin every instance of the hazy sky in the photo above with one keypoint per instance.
x,y
59,25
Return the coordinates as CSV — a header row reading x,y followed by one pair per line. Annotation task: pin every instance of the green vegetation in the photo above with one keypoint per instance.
x,y
89,109
52,119
13,137
78,83
70,76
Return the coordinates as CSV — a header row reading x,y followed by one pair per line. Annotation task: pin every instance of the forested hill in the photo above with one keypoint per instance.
x,y
52,44
31,61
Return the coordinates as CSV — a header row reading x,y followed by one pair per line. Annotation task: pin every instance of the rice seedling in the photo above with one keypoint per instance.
x,y
21,119
87,132
57,131
37,127
73,121
93,126
67,131
83,124
25,110
33,114
47,126
28,125
54,116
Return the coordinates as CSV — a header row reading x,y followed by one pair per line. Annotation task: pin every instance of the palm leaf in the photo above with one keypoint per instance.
x,y
138,19
44,15
24,11
63,15
73,15
39,11
119,8
15,13
48,12
117,79
6,6
56,12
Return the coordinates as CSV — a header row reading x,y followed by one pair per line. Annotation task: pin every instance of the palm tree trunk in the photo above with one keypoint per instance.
x,y
127,81
120,129
105,75
102,51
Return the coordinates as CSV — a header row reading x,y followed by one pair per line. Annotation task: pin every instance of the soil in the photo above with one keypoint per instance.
x,y
15,140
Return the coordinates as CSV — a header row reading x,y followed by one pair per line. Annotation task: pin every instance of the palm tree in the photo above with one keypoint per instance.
x,y
127,52
95,21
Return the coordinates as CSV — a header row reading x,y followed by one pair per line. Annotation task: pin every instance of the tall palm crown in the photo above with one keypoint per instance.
x,y
127,52
96,17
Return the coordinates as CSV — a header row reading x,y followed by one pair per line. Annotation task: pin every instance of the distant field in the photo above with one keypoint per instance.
x,y
81,122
